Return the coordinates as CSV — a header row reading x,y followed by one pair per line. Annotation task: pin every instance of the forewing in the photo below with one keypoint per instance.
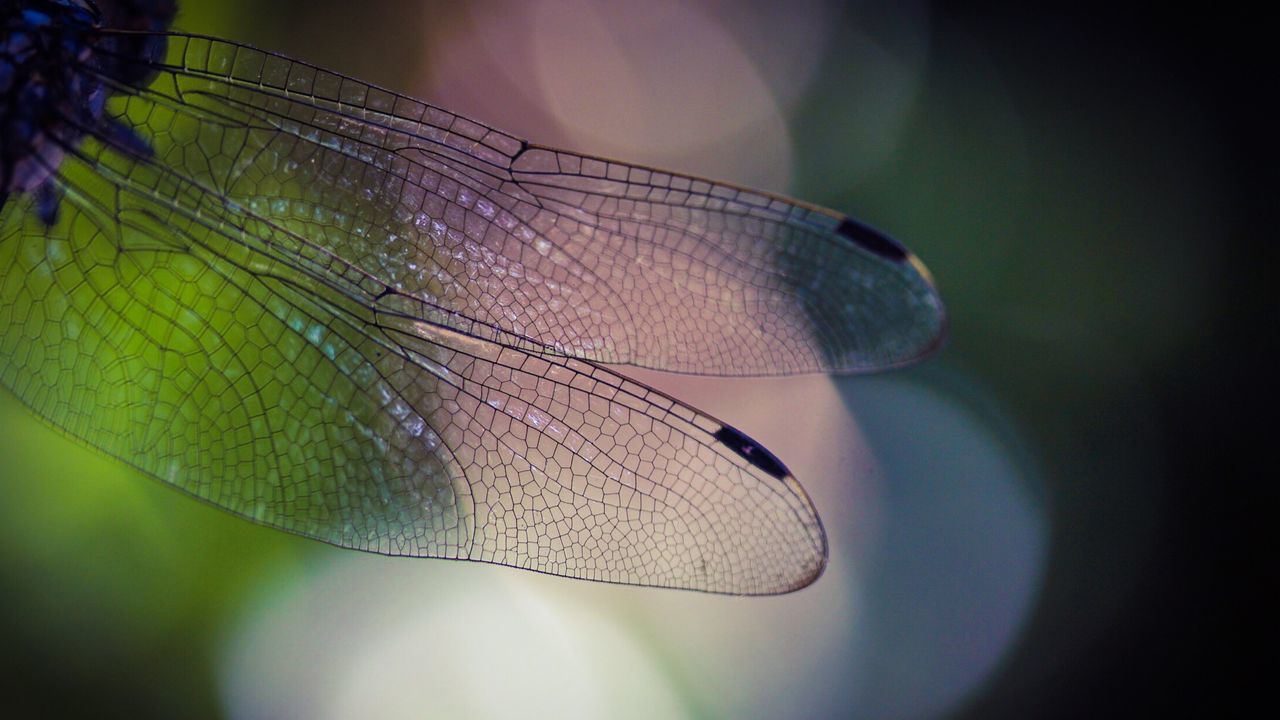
x,y
533,246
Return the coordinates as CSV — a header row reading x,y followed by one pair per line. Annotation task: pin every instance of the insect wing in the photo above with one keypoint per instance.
x,y
539,247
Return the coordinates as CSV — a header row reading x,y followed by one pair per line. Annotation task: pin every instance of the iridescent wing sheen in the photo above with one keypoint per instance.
x,y
350,315
541,247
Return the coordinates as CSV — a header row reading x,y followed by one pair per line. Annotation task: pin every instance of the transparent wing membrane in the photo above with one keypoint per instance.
x,y
357,317
587,257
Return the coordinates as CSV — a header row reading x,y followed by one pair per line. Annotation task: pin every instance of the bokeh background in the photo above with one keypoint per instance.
x,y
1048,519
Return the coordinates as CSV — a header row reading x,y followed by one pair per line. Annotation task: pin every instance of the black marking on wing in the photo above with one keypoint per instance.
x,y
752,451
871,240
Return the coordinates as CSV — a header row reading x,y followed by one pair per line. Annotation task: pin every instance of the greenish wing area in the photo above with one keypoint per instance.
x,y
167,345
214,317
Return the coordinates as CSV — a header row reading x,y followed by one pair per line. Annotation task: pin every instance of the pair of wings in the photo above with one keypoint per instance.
x,y
354,316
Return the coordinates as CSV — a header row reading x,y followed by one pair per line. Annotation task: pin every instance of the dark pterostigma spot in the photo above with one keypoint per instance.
x,y
871,240
753,451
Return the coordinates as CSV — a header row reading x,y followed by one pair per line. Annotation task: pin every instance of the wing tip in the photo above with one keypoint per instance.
x,y
802,574
821,544
811,566
928,299
940,330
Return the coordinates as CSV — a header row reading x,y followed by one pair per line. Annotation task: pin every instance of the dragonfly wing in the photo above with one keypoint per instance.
x,y
230,384
577,471
529,245
133,327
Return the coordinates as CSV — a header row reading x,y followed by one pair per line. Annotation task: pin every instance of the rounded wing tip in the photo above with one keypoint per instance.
x,y
806,573
821,544
940,321
929,310
808,564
